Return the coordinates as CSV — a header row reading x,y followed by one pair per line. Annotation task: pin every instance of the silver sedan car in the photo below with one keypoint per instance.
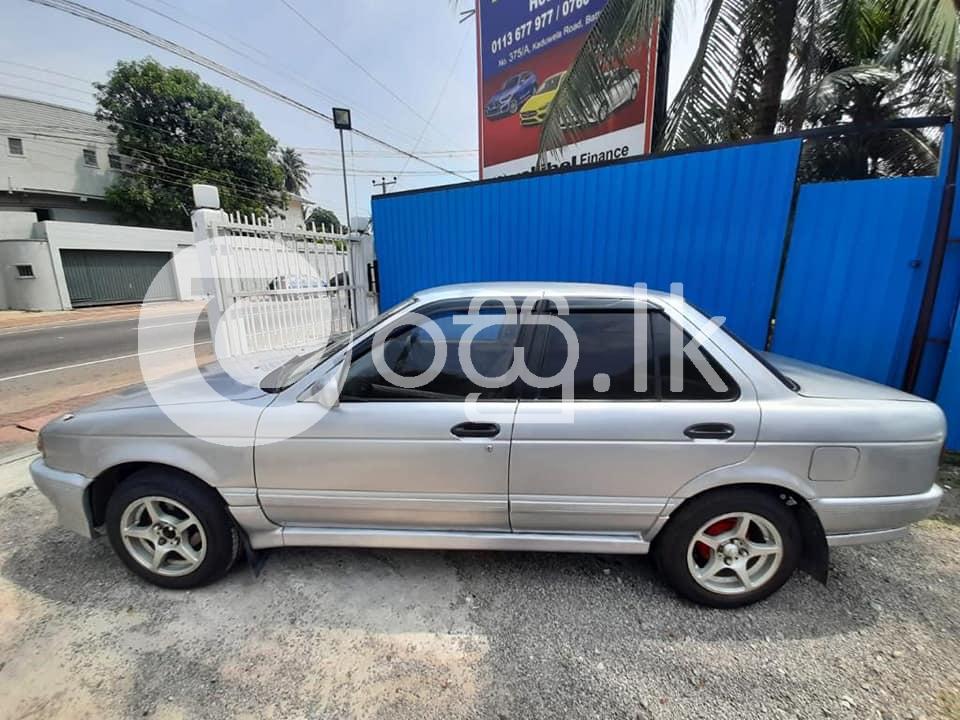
x,y
508,416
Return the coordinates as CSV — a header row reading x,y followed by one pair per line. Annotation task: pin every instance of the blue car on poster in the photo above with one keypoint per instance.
x,y
514,93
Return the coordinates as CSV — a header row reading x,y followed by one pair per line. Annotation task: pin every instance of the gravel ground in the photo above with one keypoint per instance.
x,y
402,634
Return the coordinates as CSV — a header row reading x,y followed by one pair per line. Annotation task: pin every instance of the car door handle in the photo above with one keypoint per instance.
x,y
475,429
709,431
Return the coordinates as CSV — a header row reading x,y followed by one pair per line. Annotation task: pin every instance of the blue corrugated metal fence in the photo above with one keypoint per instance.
x,y
716,220
712,220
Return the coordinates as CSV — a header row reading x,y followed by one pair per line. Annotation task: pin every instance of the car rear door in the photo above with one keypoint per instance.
x,y
612,466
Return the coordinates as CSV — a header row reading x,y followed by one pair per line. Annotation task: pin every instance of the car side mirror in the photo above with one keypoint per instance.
x,y
326,391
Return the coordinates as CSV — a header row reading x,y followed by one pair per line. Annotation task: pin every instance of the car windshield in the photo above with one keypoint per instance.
x,y
550,83
511,82
295,368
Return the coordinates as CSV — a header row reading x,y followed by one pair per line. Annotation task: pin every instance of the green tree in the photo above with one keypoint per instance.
x,y
296,177
764,66
176,130
321,217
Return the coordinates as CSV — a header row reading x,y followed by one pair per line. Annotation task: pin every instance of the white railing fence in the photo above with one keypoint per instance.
x,y
282,288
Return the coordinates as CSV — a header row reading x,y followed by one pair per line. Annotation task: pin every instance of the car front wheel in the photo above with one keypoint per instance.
x,y
729,548
170,529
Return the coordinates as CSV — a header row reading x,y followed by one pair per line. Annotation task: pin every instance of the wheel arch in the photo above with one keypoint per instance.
x,y
814,555
106,483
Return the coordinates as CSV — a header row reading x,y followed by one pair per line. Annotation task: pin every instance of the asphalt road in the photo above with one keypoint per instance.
x,y
46,369
38,349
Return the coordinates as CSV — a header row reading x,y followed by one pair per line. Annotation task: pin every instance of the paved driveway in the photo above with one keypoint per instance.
x,y
405,634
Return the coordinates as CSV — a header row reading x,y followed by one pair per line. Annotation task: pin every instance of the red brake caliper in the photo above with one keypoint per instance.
x,y
701,550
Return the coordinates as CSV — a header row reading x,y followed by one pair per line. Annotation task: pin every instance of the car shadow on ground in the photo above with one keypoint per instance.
x,y
593,591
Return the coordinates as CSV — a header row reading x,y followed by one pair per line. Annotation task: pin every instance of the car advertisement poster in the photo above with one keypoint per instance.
x,y
524,48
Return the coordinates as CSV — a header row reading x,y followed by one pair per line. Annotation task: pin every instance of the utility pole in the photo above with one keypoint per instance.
x,y
341,121
384,183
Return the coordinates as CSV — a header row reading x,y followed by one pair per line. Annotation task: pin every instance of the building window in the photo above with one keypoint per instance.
x,y
25,271
15,146
115,163
90,158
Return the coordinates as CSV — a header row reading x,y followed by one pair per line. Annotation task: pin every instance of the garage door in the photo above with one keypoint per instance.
x,y
102,277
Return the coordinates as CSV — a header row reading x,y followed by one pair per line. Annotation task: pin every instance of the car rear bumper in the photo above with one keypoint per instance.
x,y
853,520
68,493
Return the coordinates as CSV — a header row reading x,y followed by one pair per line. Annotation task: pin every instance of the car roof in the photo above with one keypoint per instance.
x,y
534,288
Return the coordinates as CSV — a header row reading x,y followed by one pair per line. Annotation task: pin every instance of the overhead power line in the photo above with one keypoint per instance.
x,y
16,76
286,73
13,87
44,70
167,165
353,61
86,13
382,154
436,105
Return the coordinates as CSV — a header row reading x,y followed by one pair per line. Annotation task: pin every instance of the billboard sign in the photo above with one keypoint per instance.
x,y
524,49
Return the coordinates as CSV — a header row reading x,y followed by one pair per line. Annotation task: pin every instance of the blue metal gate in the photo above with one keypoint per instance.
x,y
855,268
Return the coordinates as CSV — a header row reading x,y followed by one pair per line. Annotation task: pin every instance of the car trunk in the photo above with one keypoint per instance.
x,y
820,382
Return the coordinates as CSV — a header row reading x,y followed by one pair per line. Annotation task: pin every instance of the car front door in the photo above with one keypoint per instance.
x,y
631,442
389,456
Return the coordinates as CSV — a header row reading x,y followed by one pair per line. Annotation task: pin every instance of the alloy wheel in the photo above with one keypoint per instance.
x,y
163,535
735,553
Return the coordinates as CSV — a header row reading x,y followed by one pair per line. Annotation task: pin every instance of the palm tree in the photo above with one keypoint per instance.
x,y
296,177
840,61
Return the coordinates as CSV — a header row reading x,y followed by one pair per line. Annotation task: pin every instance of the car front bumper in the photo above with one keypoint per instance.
x,y
855,520
68,493
496,113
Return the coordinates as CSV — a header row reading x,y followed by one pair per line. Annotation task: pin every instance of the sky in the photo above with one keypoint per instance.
x,y
416,48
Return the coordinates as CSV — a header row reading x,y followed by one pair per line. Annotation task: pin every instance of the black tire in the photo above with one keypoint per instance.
x,y
222,540
672,544
513,107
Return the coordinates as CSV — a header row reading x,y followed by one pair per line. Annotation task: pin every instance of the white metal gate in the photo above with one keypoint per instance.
x,y
282,288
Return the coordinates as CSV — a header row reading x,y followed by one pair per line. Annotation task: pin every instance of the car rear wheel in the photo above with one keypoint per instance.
x,y
171,530
729,548
513,106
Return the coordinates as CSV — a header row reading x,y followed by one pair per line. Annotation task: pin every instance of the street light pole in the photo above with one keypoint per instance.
x,y
341,121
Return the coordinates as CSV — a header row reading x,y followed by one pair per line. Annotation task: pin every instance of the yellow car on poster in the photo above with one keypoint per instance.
x,y
534,110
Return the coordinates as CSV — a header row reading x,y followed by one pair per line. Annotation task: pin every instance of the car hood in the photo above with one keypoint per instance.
x,y
212,384
540,101
502,95
820,382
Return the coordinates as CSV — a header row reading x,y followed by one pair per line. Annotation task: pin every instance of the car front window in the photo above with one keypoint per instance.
x,y
550,83
294,369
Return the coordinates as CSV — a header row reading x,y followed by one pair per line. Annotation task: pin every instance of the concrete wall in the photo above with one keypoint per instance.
x,y
36,293
25,241
91,236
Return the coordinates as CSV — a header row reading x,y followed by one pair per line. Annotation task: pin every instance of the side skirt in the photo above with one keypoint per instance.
x,y
264,534
440,540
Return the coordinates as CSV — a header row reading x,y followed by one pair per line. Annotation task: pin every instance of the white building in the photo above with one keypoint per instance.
x,y
60,246
55,162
